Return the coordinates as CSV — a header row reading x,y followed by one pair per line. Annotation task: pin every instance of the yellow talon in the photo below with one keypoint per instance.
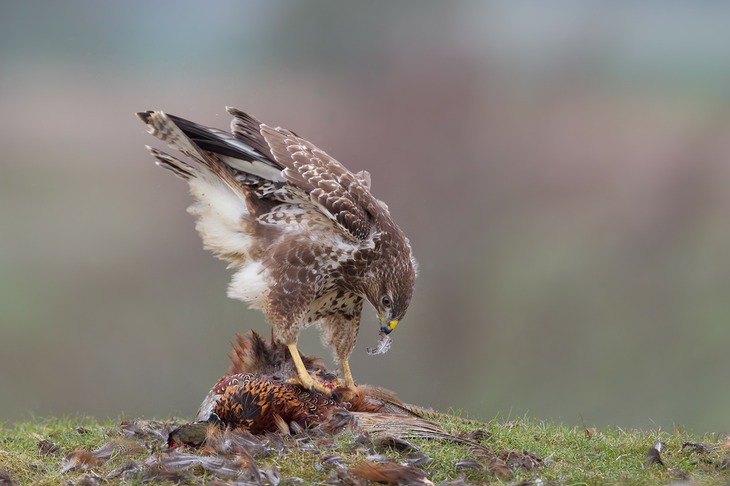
x,y
304,378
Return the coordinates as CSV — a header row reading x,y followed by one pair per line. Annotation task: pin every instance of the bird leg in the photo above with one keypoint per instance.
x,y
349,382
305,379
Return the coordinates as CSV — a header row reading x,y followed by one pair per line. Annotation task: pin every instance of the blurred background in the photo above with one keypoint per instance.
x,y
561,170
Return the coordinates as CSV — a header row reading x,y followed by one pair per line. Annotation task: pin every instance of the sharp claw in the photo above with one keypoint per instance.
x,y
325,391
314,386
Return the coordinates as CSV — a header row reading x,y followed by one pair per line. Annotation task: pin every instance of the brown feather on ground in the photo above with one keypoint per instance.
x,y
390,473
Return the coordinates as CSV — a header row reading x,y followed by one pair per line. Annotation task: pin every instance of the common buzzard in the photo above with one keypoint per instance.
x,y
307,239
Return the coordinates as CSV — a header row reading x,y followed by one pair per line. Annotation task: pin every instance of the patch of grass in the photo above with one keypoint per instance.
x,y
33,452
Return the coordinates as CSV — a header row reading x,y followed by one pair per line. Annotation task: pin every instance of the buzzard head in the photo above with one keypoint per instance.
x,y
391,287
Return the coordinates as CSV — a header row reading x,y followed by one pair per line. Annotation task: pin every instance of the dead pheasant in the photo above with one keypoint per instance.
x,y
257,394
258,388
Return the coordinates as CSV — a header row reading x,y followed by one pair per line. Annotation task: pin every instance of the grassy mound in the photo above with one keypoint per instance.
x,y
84,451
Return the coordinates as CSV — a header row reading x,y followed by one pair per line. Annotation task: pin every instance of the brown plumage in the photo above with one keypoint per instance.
x,y
390,473
308,240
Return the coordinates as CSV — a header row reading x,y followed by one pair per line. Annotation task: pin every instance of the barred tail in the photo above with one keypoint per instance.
x,y
181,169
225,154
220,206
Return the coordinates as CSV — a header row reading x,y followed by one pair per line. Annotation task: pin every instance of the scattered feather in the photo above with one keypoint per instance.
x,y
80,459
281,425
295,428
456,482
469,464
344,477
383,345
126,470
679,474
324,443
270,474
88,481
122,446
405,426
538,482
337,421
478,435
291,480
238,440
332,460
182,461
516,459
498,467
147,429
48,448
6,479
395,443
363,440
157,475
490,462
653,454
415,459
390,473
377,458
699,447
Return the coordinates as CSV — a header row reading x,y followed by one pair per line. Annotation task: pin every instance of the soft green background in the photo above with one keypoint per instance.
x,y
561,169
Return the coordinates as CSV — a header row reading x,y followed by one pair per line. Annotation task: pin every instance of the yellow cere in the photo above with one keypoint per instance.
x,y
392,324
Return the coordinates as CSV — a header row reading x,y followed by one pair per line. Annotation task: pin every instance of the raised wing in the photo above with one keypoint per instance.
x,y
340,193
280,156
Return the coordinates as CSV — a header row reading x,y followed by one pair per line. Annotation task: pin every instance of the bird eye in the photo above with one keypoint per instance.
x,y
386,301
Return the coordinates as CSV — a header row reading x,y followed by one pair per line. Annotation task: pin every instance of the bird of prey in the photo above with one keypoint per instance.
x,y
308,241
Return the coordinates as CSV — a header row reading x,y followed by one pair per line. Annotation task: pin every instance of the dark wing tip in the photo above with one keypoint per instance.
x,y
232,110
144,115
241,119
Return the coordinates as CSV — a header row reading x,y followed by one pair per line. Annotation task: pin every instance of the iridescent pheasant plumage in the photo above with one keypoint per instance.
x,y
254,403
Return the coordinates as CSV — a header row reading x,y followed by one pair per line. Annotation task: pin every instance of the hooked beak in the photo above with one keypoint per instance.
x,y
388,327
